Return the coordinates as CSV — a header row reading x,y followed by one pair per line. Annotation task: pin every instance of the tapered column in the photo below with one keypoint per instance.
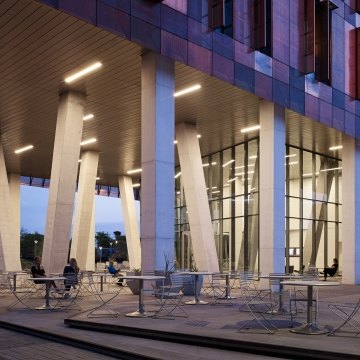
x,y
197,204
84,208
272,188
351,211
63,181
130,221
90,258
157,161
14,187
9,238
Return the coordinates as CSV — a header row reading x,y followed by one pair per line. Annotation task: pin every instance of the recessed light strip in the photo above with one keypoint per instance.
x,y
88,117
89,141
338,147
135,171
228,163
83,72
249,129
25,148
187,90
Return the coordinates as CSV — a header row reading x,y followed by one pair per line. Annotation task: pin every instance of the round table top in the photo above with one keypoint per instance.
x,y
310,283
142,277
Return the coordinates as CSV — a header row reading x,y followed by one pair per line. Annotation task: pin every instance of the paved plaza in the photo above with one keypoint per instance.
x,y
210,332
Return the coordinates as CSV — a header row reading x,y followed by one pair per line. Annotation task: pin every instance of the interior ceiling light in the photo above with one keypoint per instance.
x,y
198,136
290,155
187,90
214,163
175,141
97,178
88,117
233,179
135,171
253,157
89,141
25,148
243,166
243,173
177,175
83,72
249,129
292,163
79,160
228,163
136,185
338,147
331,169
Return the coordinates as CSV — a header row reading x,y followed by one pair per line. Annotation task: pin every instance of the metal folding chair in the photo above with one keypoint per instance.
x,y
349,313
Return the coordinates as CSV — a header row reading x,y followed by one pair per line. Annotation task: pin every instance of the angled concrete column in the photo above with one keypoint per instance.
x,y
9,238
272,188
157,161
84,208
351,211
197,204
130,221
63,181
14,187
90,258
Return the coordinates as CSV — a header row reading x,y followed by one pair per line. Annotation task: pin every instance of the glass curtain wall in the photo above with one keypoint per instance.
x,y
231,178
313,209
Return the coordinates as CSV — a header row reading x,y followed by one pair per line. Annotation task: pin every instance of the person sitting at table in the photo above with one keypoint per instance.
x,y
115,272
38,271
71,272
331,270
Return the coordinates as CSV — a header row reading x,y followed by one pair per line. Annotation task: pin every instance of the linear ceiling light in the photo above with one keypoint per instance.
x,y
290,155
136,185
89,141
135,171
331,169
177,175
338,147
83,72
228,163
187,90
233,179
292,163
25,148
97,178
253,157
249,129
88,117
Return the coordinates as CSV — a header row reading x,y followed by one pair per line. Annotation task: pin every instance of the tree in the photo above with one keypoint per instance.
x,y
31,244
121,252
103,239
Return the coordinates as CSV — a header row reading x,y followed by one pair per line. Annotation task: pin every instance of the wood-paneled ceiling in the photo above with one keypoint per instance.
x,y
40,45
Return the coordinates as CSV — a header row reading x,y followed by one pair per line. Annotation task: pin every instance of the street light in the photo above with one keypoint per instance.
x,y
35,242
100,247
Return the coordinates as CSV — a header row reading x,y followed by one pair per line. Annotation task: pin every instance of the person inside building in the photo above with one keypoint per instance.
x,y
331,270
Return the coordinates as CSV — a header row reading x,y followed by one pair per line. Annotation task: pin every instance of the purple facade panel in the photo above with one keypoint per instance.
x,y
174,47
349,104
297,100
145,34
280,71
223,45
243,55
349,124
281,31
311,106
338,119
338,59
123,5
325,113
325,92
350,60
199,58
296,31
82,9
223,68
113,20
199,34
147,11
281,93
245,77
174,22
263,86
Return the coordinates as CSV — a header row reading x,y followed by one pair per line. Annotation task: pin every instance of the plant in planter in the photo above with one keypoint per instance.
x,y
189,283
133,285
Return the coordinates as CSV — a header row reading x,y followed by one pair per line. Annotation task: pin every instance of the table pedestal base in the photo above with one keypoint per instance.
x,y
196,302
45,307
280,311
309,329
137,313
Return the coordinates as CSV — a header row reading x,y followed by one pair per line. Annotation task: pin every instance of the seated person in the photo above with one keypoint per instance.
x,y
331,270
37,271
71,272
114,272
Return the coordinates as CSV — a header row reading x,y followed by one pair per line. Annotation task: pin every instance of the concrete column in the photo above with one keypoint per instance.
x,y
157,161
63,181
84,208
272,188
14,188
9,238
90,259
130,222
351,211
197,204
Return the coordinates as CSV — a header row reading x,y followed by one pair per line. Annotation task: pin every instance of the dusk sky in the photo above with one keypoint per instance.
x,y
33,206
